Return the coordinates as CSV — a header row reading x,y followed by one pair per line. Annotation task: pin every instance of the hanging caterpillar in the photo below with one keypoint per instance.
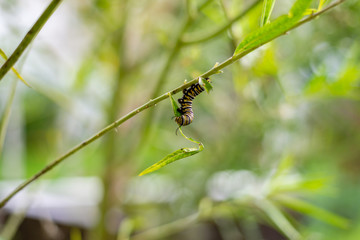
x,y
187,114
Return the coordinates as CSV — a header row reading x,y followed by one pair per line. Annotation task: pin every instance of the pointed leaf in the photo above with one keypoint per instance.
x,y
177,155
2,53
299,7
275,28
207,85
174,106
285,165
278,218
268,6
314,211
264,34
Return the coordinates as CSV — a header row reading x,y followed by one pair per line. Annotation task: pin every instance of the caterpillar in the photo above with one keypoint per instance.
x,y
187,114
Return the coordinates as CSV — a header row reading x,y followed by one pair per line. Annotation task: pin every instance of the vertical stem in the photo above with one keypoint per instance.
x,y
163,75
6,116
233,40
110,143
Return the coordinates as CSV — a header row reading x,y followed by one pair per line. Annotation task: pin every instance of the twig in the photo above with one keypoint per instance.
x,y
152,103
28,38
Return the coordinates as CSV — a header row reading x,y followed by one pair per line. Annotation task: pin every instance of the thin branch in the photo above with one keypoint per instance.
x,y
6,116
151,103
231,32
29,37
221,29
4,122
311,17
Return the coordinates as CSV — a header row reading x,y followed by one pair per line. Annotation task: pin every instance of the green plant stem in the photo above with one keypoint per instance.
x,y
151,103
189,41
6,116
278,218
163,76
111,141
231,33
29,37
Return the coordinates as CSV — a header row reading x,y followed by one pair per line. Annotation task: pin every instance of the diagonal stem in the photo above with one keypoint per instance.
x,y
29,37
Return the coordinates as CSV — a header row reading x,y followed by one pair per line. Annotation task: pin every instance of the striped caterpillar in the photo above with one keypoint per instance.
x,y
186,111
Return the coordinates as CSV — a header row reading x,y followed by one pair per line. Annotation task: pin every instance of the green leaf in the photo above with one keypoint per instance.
x,y
346,81
343,85
285,165
316,85
2,53
291,183
314,211
174,106
177,155
298,9
279,26
207,85
268,6
84,72
278,218
264,34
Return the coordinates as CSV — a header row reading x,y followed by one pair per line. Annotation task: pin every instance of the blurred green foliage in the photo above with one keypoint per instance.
x,y
281,128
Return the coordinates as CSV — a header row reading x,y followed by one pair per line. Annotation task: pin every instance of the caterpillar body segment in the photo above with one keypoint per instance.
x,y
189,94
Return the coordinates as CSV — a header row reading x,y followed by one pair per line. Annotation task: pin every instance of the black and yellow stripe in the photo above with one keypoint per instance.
x,y
187,114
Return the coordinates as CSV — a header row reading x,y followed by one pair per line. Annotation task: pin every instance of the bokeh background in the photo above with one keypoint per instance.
x,y
281,128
